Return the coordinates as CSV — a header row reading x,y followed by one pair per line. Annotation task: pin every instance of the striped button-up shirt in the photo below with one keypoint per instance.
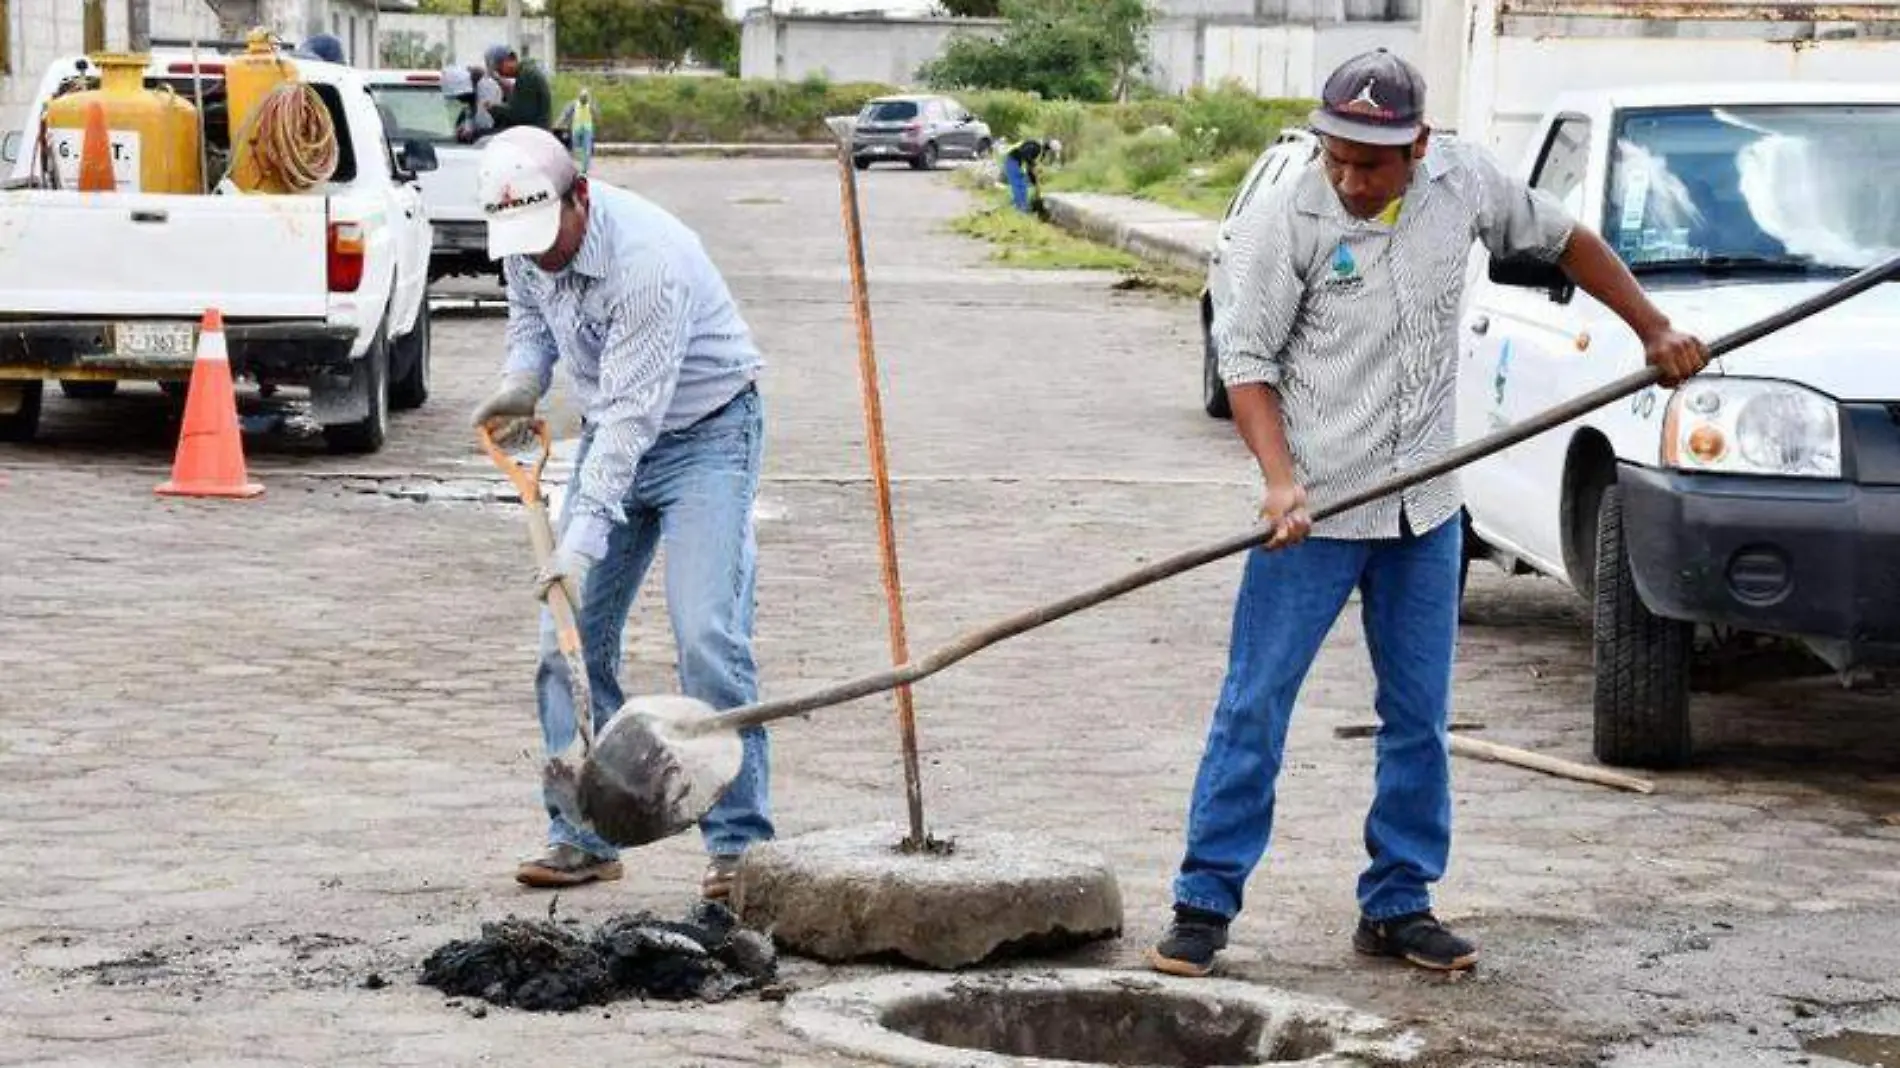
x,y
651,336
1353,322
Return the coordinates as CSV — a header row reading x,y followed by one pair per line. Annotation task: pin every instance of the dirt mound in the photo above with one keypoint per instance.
x,y
548,966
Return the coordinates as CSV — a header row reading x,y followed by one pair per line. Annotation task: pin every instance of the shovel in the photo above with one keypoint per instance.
x,y
662,761
667,787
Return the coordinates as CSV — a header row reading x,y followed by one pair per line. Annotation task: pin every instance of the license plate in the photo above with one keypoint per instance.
x,y
154,341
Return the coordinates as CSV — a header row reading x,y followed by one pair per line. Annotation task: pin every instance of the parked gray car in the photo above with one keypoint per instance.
x,y
918,130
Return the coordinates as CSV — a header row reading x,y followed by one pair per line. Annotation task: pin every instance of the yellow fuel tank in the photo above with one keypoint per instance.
x,y
248,79
153,132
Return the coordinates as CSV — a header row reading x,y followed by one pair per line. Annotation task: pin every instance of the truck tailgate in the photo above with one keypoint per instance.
x,y
66,253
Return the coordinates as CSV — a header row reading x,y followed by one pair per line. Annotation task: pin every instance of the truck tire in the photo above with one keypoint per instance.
x,y
24,423
368,434
88,390
411,352
1641,661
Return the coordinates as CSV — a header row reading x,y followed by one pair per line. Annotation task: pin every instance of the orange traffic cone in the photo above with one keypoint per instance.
x,y
210,460
95,153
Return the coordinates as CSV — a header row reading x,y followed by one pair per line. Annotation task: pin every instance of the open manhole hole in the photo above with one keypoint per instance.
x,y
1089,1018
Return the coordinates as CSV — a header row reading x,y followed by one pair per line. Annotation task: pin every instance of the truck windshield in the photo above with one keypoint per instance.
x,y
416,111
1790,188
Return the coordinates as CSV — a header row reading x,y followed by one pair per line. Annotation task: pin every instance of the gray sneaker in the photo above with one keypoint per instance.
x,y
566,865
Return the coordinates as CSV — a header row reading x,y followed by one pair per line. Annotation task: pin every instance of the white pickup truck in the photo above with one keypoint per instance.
x,y
414,109
323,290
1762,497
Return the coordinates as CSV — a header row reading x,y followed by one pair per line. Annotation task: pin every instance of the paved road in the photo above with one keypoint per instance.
x,y
251,752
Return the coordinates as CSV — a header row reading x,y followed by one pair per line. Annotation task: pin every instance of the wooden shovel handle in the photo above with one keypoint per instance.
x,y
527,480
1030,619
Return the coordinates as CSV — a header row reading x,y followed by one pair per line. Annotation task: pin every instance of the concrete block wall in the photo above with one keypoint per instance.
x,y
40,31
1294,60
846,49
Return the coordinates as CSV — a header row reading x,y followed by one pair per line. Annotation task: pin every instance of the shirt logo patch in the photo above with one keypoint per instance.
x,y
1345,269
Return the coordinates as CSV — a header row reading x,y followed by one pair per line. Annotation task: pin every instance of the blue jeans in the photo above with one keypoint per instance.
x,y
694,488
1018,183
1288,601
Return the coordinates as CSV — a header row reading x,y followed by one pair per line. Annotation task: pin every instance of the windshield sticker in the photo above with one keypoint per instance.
x,y
1635,199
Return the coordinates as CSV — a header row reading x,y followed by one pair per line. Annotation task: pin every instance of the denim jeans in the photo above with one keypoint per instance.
x,y
1018,183
1288,601
694,488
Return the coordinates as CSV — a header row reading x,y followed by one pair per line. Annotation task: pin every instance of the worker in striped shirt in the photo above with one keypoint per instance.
x,y
663,366
1338,350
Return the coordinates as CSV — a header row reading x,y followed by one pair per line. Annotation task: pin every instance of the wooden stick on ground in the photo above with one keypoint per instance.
x,y
1369,730
1567,769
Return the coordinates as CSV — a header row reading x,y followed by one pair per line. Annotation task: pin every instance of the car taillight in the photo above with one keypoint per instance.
x,y
346,257
203,68
913,128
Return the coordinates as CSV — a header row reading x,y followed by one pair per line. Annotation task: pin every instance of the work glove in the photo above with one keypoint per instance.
x,y
508,410
582,544
567,567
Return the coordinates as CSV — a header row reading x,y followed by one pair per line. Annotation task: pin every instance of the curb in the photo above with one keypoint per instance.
x,y
1148,243
700,150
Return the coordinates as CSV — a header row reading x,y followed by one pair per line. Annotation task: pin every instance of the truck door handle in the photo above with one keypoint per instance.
x,y
149,216
1481,324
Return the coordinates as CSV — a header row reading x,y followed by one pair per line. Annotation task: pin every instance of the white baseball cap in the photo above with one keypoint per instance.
x,y
524,174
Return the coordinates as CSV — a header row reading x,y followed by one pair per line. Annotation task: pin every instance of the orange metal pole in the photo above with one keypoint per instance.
x,y
887,538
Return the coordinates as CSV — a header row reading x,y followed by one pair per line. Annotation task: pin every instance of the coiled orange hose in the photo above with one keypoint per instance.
x,y
291,140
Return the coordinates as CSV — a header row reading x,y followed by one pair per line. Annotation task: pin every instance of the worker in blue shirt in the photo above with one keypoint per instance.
x,y
663,367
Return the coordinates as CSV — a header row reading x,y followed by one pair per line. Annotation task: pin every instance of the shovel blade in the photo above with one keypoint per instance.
x,y
650,777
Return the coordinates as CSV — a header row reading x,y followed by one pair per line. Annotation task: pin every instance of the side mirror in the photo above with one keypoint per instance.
x,y
10,147
419,156
1527,273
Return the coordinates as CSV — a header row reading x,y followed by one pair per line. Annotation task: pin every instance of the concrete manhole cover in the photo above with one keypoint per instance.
x,y
1089,1017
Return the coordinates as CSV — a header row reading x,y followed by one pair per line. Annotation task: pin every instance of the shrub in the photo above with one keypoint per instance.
x,y
697,109
1010,114
1151,156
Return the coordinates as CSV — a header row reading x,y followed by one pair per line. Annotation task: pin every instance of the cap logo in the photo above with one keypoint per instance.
x,y
1366,104
509,199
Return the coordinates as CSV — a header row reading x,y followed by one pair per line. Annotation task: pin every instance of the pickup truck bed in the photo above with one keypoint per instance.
x,y
322,290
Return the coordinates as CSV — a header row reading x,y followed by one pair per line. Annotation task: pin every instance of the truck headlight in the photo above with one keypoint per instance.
x,y
1748,426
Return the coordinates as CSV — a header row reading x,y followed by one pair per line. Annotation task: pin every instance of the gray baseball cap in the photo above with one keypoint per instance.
x,y
1374,98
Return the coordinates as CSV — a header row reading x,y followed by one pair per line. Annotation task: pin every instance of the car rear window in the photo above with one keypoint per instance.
x,y
890,111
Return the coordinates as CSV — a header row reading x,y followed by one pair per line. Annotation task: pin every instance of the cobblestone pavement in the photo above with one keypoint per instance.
x,y
251,753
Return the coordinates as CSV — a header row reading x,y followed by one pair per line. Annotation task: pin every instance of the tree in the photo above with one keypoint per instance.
x,y
971,9
663,32
1062,49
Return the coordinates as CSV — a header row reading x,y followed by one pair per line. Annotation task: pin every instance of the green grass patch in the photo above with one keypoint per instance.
x,y
1020,240
1024,241
1188,151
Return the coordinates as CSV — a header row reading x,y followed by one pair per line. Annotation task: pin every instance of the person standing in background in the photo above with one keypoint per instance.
x,y
528,100
578,120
